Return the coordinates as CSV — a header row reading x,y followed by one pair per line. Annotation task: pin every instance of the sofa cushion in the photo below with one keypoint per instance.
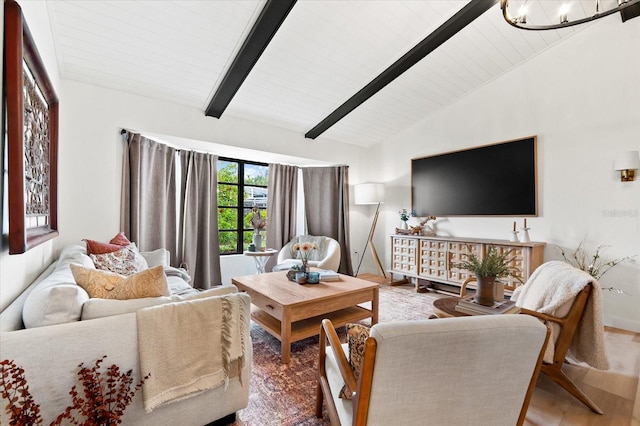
x,y
98,308
108,285
357,335
156,257
55,300
125,261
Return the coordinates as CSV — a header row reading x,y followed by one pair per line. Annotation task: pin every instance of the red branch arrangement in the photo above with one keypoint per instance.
x,y
14,388
102,402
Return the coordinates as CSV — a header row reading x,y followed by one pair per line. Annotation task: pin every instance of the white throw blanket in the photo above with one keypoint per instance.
x,y
189,347
551,286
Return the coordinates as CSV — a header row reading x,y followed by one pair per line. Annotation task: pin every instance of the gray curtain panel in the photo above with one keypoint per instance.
x,y
326,194
281,207
148,210
198,243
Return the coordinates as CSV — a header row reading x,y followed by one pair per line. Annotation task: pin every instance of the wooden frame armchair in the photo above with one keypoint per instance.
x,y
568,325
455,371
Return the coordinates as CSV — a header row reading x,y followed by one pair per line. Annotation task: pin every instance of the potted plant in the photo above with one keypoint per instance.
x,y
494,264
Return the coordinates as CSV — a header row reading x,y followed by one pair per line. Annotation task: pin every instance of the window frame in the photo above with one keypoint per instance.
x,y
240,229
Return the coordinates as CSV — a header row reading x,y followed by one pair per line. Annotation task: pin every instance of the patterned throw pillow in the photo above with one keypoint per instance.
x,y
107,285
125,261
357,335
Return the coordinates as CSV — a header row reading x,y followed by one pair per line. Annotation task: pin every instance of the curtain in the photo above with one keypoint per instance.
x,y
198,244
326,194
148,213
281,206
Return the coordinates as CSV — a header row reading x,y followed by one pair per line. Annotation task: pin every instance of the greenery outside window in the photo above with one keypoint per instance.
x,y
242,185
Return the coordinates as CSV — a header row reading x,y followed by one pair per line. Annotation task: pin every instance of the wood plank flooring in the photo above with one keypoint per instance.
x,y
616,391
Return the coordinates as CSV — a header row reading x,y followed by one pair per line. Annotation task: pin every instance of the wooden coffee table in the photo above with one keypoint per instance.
x,y
292,312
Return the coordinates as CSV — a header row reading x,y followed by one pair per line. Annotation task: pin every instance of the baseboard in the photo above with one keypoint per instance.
x,y
622,324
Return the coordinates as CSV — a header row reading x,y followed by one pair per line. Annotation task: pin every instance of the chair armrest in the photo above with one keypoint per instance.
x,y
463,288
328,334
542,316
332,260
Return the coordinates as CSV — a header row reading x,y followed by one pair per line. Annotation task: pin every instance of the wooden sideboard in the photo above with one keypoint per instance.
x,y
432,258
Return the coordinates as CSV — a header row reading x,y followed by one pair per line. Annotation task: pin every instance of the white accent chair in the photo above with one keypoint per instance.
x,y
328,252
478,370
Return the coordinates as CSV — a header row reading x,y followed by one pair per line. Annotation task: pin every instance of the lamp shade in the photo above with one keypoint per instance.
x,y
369,193
628,160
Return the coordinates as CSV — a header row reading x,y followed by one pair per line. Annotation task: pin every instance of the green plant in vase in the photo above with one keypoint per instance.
x,y
493,265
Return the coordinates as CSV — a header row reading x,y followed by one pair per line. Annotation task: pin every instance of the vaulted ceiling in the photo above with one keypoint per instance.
x,y
322,54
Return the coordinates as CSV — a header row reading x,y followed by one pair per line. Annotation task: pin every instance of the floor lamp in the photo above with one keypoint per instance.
x,y
370,193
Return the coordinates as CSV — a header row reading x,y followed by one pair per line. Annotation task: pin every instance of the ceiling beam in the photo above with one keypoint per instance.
x,y
272,16
444,32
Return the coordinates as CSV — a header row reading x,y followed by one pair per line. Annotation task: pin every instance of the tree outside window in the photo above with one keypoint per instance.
x,y
237,177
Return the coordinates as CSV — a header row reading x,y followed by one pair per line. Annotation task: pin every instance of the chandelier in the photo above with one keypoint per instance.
x,y
563,15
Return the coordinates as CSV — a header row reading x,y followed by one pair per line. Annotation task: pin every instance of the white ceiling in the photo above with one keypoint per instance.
x,y
323,53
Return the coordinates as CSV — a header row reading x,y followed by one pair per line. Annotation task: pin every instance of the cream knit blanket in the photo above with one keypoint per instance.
x,y
188,347
552,285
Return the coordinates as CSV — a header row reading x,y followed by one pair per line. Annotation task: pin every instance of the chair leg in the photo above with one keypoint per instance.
x,y
558,376
319,400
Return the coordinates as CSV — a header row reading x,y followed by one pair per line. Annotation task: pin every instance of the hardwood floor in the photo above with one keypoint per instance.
x,y
616,391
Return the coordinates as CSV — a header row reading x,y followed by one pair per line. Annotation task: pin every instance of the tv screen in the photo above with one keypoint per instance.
x,y
492,180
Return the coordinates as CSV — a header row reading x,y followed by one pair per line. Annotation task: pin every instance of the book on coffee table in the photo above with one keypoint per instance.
x,y
467,305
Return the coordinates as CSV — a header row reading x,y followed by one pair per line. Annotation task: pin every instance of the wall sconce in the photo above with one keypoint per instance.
x,y
627,162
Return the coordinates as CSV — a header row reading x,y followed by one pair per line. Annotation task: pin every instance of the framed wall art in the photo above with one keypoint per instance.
x,y
31,107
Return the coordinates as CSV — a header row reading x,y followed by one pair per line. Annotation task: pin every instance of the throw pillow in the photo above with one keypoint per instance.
x,y
116,243
125,261
107,285
156,257
120,239
96,247
357,335
54,300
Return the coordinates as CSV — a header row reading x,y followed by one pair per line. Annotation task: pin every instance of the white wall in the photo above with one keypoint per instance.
x,y
582,99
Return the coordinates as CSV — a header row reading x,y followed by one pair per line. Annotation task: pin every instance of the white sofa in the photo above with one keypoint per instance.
x,y
67,328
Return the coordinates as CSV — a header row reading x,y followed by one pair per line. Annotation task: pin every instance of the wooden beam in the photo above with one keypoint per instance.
x,y
444,32
272,16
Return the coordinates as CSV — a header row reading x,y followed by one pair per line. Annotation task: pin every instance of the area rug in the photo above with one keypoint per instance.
x,y
284,395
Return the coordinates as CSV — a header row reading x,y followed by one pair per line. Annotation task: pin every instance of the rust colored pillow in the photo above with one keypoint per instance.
x,y
120,239
116,243
107,285
96,247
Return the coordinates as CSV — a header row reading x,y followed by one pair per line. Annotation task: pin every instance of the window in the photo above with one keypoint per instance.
x,y
242,185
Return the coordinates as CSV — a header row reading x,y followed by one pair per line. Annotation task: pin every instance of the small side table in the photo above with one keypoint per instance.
x,y
261,258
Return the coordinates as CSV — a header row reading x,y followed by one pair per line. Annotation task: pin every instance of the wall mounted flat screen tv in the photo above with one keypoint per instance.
x,y
491,180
